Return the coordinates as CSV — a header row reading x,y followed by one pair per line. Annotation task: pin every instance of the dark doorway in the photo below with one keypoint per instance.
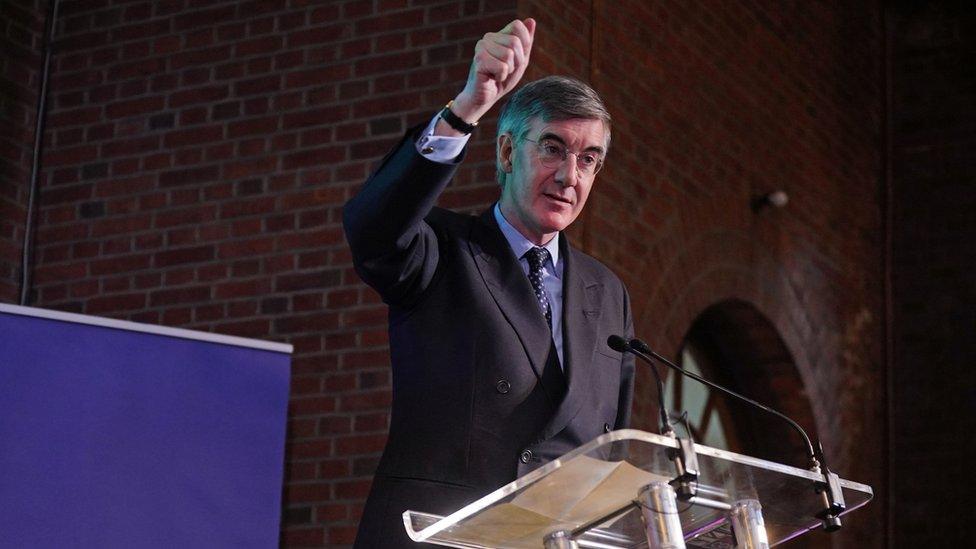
x,y
733,344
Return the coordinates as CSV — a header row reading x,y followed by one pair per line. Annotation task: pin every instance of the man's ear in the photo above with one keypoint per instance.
x,y
505,148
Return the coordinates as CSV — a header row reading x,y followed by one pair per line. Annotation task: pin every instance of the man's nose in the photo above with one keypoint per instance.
x,y
568,175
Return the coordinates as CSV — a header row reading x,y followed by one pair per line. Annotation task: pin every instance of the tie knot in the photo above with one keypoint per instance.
x,y
537,257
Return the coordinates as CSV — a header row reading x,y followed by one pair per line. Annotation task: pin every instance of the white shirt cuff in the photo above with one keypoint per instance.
x,y
440,148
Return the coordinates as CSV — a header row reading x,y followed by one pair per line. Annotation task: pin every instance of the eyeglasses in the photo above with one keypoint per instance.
x,y
552,154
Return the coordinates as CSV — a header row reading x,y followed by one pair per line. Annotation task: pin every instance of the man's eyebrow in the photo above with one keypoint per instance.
x,y
555,137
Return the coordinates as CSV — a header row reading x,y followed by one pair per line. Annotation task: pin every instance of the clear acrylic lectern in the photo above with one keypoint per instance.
x,y
613,493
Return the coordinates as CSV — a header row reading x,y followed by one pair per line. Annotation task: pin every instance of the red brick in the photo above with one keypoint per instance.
x,y
316,322
248,168
372,422
182,256
127,263
317,35
257,46
134,107
388,63
59,272
264,84
194,136
343,535
72,155
331,513
171,218
242,288
358,489
130,147
199,57
306,281
198,95
394,21
254,206
189,176
253,126
314,157
334,425
310,406
340,382
244,328
193,294
375,400
303,537
115,303
316,117
119,225
365,317
309,492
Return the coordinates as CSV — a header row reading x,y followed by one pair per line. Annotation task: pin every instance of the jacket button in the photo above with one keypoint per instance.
x,y
526,456
503,386
606,427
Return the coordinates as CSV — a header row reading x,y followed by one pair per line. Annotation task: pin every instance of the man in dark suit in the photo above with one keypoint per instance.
x,y
497,325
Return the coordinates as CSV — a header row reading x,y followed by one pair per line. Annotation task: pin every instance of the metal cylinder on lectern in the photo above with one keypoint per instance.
x,y
560,539
659,508
748,525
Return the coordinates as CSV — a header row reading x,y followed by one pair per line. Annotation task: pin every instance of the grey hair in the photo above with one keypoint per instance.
x,y
549,99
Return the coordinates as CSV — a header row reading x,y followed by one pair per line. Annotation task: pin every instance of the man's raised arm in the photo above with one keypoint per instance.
x,y
393,248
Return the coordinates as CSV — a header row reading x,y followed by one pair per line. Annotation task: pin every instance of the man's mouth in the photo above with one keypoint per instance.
x,y
558,198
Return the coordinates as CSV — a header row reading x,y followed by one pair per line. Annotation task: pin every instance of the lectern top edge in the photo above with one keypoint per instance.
x,y
588,489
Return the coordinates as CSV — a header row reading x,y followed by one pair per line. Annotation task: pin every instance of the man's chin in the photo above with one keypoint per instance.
x,y
555,224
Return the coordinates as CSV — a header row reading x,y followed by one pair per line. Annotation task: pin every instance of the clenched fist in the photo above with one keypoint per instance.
x,y
500,60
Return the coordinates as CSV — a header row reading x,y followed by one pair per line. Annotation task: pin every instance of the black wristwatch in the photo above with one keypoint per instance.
x,y
455,121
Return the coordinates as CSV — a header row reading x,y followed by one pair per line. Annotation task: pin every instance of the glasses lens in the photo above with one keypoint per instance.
x,y
552,154
589,163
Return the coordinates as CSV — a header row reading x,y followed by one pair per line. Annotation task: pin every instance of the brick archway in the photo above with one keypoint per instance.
x,y
747,354
722,267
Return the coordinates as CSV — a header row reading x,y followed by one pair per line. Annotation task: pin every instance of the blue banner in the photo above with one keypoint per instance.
x,y
111,436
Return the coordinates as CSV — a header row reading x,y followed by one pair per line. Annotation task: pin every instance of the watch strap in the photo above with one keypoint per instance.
x,y
455,121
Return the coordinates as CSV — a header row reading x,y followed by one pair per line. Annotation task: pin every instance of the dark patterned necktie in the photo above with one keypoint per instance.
x,y
537,257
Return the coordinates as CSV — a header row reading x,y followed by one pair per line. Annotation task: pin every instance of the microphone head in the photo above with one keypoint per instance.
x,y
640,346
618,343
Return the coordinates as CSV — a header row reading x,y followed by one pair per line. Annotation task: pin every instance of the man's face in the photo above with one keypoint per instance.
x,y
540,200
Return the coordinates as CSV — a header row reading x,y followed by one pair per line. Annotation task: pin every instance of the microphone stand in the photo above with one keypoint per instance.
x,y
684,457
829,488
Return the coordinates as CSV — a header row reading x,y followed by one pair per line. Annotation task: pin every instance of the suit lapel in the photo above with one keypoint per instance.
x,y
581,310
510,289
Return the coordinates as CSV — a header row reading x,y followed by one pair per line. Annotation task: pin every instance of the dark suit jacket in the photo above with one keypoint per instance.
x,y
468,345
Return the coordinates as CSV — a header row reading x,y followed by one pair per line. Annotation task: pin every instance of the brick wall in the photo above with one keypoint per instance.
x,y
198,154
932,136
715,107
21,38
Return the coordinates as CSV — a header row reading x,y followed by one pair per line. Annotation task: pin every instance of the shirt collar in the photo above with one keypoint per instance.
x,y
520,244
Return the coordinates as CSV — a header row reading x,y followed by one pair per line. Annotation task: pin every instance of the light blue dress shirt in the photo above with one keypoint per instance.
x,y
552,273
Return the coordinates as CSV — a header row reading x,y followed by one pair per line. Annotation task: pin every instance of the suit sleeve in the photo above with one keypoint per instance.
x,y
627,366
394,249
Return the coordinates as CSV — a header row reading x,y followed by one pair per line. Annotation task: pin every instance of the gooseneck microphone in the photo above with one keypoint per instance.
x,y
621,345
642,348
829,488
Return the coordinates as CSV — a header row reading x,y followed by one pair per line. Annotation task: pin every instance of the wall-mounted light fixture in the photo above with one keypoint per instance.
x,y
773,199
